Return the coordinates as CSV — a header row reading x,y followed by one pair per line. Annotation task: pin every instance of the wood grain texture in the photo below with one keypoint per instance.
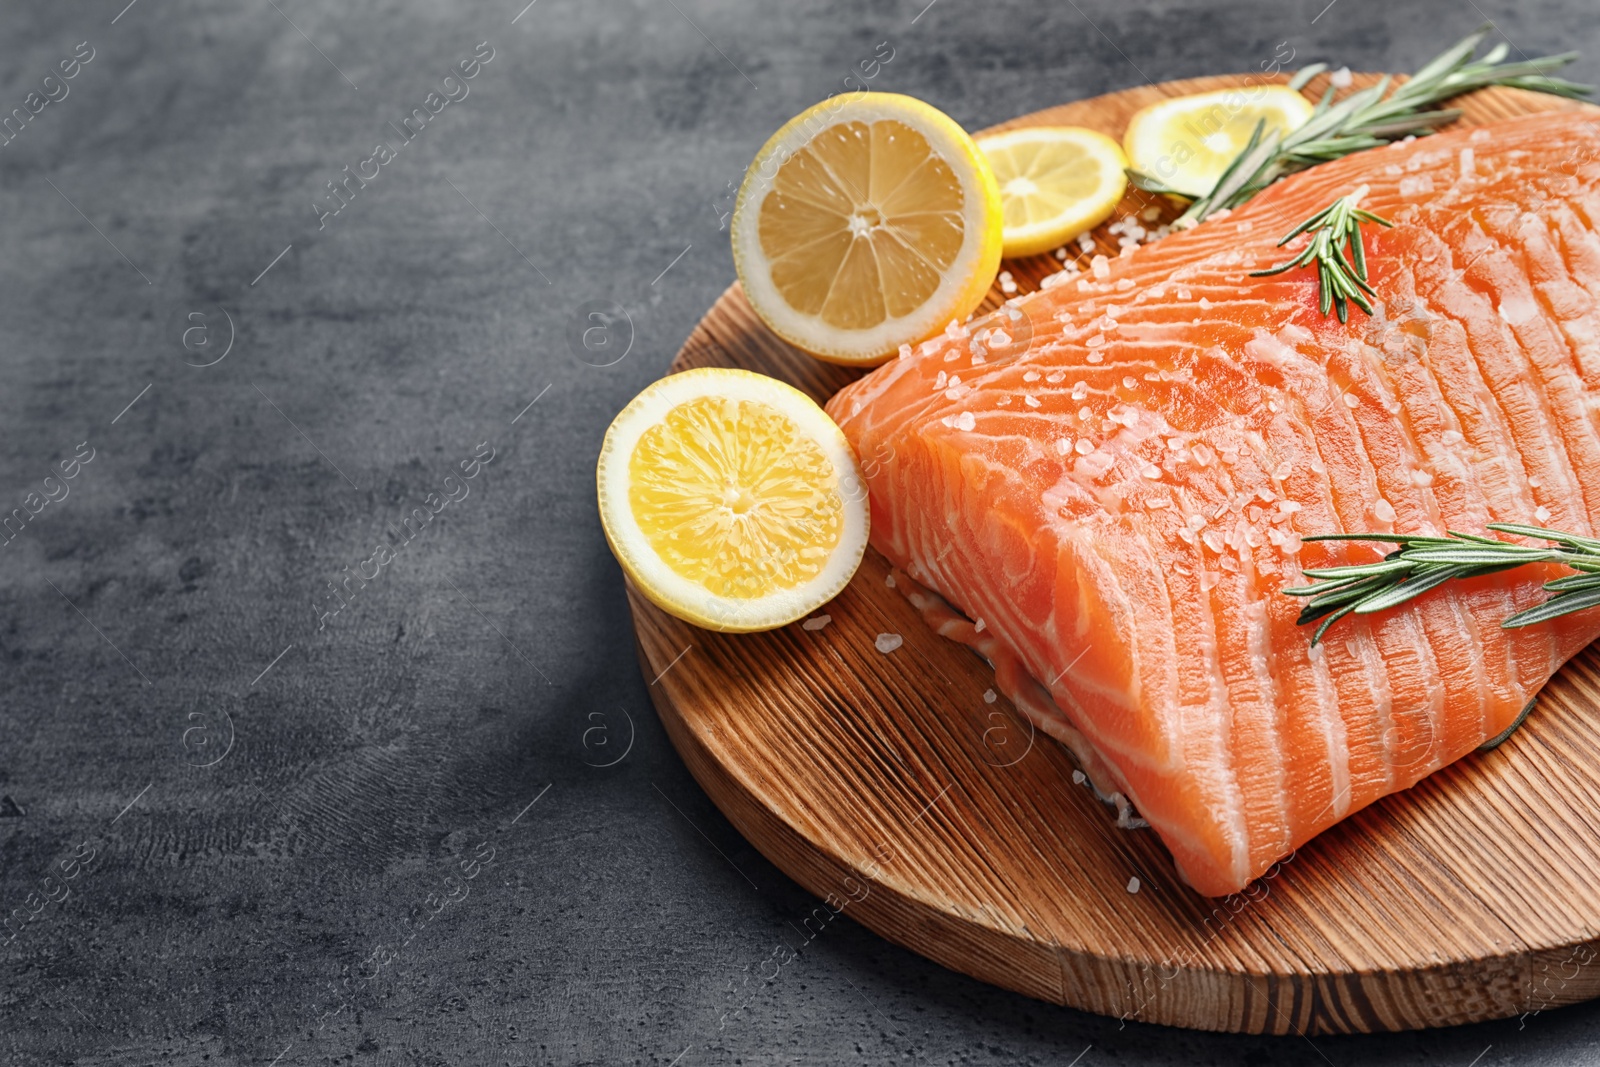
x,y
890,785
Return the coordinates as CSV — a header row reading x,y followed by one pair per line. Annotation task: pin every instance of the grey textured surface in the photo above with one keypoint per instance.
x,y
280,859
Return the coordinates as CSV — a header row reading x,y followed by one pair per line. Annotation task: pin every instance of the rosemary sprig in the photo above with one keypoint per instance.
x,y
1420,563
1338,252
1365,119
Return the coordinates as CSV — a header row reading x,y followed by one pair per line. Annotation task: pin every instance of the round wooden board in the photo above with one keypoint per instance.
x,y
888,785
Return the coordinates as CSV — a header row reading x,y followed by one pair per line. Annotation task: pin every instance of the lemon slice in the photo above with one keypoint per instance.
x,y
1055,183
865,223
1188,141
731,499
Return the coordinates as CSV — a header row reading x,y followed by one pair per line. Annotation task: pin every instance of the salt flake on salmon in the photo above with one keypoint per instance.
x,y
1121,484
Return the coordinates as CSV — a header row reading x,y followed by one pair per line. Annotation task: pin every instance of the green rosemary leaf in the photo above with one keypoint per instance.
x,y
1359,570
1588,544
1383,538
1573,583
1347,599
1317,637
1553,86
1305,74
1557,606
1475,554
1319,606
1500,738
1451,57
1415,585
1314,590
1479,538
1151,184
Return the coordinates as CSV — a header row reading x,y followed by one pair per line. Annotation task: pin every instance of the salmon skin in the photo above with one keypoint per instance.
x,y
1116,474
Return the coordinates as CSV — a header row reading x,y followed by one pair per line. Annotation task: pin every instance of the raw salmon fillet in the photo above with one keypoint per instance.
x,y
1115,475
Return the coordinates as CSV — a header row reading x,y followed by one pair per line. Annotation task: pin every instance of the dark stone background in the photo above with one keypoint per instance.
x,y
379,756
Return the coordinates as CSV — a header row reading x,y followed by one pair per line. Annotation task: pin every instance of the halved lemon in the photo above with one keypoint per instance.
x,y
865,223
1055,183
731,499
1188,141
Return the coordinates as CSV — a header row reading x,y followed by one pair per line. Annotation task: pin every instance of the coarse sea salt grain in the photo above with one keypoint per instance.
x,y
966,421
1415,185
887,643
1101,268
1063,445
888,579
1095,464
990,696
980,626
1383,511
1542,513
1078,777
1030,401
817,622
1133,884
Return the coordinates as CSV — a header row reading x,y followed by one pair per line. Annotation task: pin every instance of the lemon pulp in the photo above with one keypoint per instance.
x,y
861,223
1055,183
866,223
733,496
